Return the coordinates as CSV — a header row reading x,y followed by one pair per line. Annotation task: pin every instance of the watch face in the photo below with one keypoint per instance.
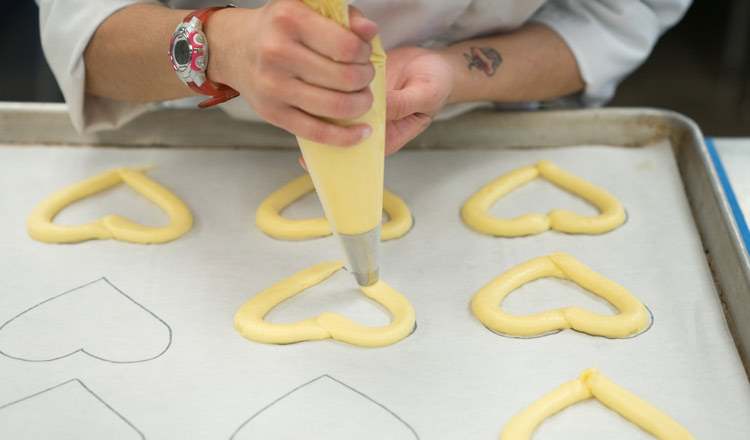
x,y
188,53
181,52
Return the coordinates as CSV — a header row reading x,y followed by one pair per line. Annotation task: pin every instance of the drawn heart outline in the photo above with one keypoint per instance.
x,y
36,412
83,349
240,430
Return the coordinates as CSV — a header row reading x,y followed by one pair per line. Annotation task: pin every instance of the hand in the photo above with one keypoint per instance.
x,y
419,83
295,68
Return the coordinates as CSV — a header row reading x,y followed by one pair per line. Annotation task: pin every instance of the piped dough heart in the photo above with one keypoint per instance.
x,y
632,319
592,383
41,228
248,320
268,217
474,210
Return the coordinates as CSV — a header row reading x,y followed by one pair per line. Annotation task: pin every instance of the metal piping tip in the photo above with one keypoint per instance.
x,y
362,255
366,279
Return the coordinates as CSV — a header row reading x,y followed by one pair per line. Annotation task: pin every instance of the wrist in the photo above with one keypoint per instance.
x,y
454,58
190,55
219,33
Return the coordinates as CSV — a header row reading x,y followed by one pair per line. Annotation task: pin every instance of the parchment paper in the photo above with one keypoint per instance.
x,y
138,340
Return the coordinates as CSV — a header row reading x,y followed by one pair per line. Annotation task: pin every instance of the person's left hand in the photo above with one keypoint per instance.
x,y
419,82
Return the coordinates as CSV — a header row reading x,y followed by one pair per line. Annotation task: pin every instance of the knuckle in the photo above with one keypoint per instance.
x,y
320,133
353,78
285,16
352,105
271,50
342,106
349,49
369,74
365,102
267,84
399,108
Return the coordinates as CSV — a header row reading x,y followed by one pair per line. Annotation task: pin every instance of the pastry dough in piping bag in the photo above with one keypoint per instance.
x,y
269,219
357,206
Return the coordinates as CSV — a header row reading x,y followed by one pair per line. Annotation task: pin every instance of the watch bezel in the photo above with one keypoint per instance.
x,y
194,70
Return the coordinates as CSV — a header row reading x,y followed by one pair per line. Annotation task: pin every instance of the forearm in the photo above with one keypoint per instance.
x,y
126,58
534,64
294,67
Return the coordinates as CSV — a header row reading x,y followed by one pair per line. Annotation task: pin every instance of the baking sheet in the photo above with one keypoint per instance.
x,y
159,357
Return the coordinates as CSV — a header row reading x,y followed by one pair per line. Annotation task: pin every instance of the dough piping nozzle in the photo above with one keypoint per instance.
x,y
362,255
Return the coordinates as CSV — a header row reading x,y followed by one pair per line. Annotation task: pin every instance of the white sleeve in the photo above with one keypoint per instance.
x,y
609,38
66,28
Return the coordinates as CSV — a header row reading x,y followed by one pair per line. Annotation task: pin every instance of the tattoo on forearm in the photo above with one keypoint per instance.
x,y
485,59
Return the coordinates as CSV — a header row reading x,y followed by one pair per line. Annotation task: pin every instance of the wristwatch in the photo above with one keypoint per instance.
x,y
188,51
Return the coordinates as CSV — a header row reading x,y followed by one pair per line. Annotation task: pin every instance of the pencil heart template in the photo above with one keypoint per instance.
x,y
70,410
325,408
96,319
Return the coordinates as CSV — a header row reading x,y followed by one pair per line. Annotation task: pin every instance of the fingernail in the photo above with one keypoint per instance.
x,y
366,132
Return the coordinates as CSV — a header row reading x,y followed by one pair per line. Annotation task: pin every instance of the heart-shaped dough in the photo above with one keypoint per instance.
x,y
269,219
41,228
632,319
592,383
474,210
248,320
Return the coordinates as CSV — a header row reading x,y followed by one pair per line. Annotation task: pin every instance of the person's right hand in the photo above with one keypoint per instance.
x,y
296,68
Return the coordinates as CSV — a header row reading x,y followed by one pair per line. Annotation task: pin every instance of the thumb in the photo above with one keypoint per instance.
x,y
407,101
399,132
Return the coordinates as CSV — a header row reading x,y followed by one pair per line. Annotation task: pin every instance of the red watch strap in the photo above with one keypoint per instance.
x,y
218,92
204,13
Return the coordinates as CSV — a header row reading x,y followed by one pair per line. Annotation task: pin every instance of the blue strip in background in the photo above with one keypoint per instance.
x,y
739,218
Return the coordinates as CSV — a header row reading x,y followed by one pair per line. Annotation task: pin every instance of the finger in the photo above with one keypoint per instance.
x,y
327,103
311,128
399,132
364,28
315,69
303,163
332,40
409,100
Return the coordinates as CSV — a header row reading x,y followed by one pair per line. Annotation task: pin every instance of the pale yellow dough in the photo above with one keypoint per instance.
x,y
269,219
474,210
592,383
632,319
349,181
248,320
41,228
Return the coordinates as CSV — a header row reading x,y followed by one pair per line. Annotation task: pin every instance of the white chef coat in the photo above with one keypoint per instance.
x,y
609,39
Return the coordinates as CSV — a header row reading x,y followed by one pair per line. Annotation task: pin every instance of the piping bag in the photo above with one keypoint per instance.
x,y
349,180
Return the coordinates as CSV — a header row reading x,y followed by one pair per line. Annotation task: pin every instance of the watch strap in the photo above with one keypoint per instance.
x,y
203,14
218,92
